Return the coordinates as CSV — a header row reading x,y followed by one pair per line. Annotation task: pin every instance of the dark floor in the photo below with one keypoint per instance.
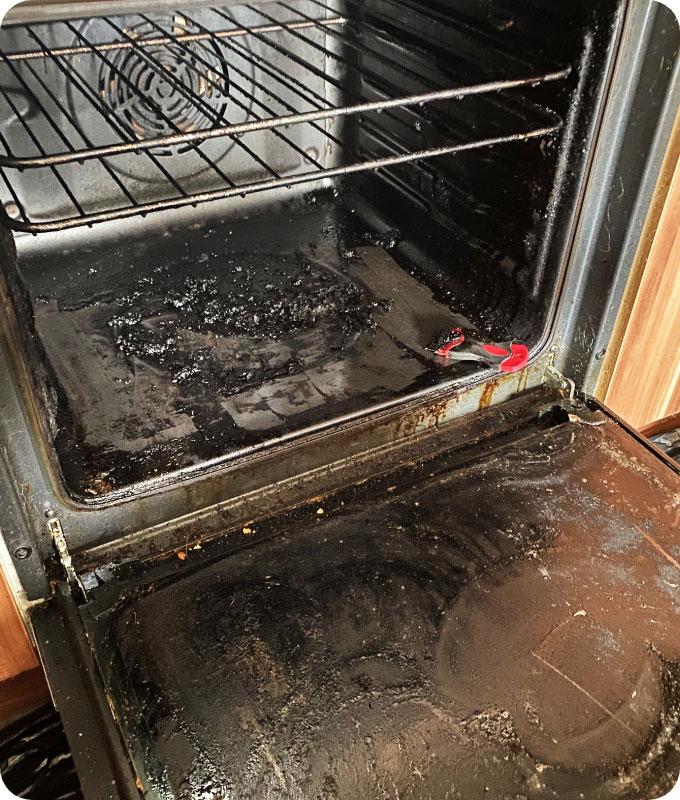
x,y
35,761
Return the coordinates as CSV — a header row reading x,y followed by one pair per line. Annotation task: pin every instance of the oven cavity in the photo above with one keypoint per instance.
x,y
235,225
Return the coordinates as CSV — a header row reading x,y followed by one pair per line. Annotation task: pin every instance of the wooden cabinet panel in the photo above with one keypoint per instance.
x,y
16,651
22,694
641,379
22,683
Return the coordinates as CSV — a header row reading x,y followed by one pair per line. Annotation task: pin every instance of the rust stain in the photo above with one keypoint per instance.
x,y
424,418
487,395
523,380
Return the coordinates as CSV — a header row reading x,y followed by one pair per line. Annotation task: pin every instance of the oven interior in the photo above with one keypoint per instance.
x,y
232,225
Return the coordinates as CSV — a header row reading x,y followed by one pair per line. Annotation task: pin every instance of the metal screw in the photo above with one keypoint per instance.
x,y
22,553
50,512
601,354
12,210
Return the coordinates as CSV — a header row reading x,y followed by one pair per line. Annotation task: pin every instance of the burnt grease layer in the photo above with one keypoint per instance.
x,y
259,297
507,627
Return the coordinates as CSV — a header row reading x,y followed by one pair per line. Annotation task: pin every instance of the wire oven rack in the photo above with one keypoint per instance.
x,y
195,59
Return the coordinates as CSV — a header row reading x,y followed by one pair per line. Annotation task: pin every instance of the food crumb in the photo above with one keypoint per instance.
x,y
139,785
320,511
247,531
182,555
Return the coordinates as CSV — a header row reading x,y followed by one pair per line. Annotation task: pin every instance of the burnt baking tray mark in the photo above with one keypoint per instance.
x,y
253,304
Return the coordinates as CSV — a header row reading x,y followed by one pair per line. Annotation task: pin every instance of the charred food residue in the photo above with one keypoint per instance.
x,y
167,317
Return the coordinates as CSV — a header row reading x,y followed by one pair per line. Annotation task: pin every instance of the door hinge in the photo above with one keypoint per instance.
x,y
565,386
578,410
57,533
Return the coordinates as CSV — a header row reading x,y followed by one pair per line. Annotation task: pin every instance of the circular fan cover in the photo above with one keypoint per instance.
x,y
161,87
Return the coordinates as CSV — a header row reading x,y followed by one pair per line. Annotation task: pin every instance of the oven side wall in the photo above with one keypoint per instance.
x,y
637,124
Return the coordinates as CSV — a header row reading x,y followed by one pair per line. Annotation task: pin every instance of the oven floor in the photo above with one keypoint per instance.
x,y
177,348
501,625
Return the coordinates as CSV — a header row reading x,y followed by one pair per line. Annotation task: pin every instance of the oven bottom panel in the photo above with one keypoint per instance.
x,y
476,625
171,347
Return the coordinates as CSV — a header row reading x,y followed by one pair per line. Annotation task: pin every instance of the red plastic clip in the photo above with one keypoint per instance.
x,y
457,341
516,359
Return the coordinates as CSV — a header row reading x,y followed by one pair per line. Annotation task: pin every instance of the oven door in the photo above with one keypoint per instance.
x,y
494,613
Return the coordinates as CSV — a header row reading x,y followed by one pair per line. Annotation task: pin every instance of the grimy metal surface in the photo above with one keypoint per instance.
x,y
497,620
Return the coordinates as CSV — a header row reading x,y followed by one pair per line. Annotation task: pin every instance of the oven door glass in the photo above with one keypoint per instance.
x,y
496,620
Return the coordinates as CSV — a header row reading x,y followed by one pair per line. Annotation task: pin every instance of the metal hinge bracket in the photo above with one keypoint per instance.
x,y
565,386
57,534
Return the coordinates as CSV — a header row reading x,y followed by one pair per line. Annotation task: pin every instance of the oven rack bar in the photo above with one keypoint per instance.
x,y
283,182
153,51
288,78
155,41
283,121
